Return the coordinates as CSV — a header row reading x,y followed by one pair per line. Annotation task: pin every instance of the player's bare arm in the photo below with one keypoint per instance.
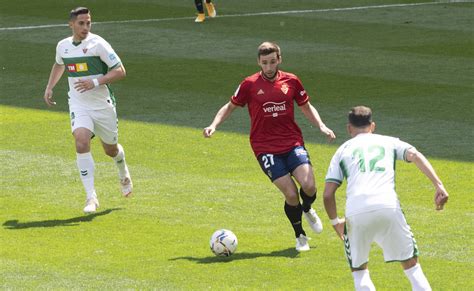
x,y
313,116
113,75
441,195
331,209
220,117
56,72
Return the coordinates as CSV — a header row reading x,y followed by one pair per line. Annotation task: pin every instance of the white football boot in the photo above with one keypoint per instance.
x,y
313,220
302,243
91,205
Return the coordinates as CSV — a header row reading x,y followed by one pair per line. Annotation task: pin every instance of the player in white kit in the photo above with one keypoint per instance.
x,y
91,65
373,212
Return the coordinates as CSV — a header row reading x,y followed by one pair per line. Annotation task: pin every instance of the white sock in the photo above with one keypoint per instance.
x,y
417,278
362,281
120,162
85,164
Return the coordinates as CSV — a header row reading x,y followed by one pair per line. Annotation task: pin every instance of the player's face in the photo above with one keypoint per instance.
x,y
269,65
80,26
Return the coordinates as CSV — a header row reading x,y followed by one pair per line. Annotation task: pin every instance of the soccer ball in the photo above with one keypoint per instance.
x,y
223,242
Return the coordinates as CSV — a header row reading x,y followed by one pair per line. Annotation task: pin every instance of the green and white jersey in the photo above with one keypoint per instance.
x,y
89,59
367,161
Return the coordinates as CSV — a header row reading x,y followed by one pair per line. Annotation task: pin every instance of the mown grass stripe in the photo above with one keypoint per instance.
x,y
267,13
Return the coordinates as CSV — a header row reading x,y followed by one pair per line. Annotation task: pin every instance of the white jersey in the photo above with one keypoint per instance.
x,y
367,161
89,59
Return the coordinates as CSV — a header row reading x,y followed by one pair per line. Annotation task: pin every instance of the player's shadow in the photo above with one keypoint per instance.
x,y
287,253
15,224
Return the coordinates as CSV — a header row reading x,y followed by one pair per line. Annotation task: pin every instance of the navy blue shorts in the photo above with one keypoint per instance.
x,y
276,166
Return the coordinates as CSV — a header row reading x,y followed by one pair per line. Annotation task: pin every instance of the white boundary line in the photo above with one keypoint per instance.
x,y
241,15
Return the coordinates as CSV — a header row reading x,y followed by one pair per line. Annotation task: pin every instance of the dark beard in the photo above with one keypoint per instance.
x,y
269,79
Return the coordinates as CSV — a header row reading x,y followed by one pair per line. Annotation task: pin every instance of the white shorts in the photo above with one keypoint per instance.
x,y
102,122
387,227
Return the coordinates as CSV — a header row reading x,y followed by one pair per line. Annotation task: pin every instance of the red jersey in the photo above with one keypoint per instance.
x,y
271,109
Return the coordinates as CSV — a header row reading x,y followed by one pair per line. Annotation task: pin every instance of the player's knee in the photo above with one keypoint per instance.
x,y
112,152
82,146
409,263
309,189
307,184
292,199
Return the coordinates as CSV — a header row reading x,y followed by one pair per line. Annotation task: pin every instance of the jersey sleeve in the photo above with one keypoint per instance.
x,y
401,148
241,95
300,93
108,55
59,59
335,172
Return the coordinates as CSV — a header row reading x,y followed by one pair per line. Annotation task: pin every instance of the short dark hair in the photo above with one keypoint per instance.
x,y
267,48
360,116
78,11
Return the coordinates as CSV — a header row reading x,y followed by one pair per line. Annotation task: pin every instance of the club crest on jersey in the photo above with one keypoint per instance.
x,y
84,50
284,88
260,92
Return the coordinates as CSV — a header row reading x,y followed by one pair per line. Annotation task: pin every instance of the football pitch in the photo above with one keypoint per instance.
x,y
412,62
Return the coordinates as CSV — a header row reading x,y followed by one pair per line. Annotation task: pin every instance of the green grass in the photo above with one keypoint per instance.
x,y
410,64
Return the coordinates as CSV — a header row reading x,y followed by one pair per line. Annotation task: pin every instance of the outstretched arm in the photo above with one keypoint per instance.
x,y
113,75
313,116
56,72
220,117
441,195
331,209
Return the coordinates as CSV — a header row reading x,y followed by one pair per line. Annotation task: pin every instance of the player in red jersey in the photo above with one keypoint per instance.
x,y
275,137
